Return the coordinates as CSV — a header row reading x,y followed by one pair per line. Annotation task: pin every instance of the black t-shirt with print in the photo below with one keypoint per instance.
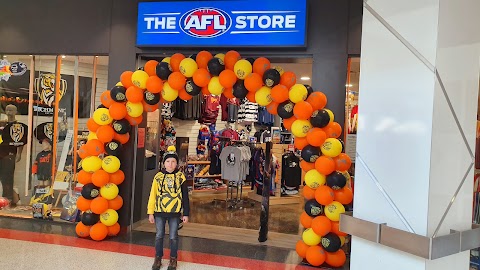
x,y
291,171
14,134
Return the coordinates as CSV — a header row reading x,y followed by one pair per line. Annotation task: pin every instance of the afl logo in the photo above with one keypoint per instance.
x,y
205,22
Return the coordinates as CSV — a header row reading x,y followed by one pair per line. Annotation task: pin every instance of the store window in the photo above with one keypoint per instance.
x,y
45,136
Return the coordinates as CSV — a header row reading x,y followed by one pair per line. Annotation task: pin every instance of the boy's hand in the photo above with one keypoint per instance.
x,y
185,219
151,219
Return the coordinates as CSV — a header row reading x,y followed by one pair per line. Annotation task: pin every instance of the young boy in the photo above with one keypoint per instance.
x,y
169,195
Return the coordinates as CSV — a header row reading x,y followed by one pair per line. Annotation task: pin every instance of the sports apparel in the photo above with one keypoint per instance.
x,y
173,223
169,195
248,112
291,171
42,166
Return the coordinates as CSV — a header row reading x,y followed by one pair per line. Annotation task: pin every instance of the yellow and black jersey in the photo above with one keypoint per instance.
x,y
169,194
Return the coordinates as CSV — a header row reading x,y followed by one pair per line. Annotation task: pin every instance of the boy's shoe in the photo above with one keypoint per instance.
x,y
173,264
157,263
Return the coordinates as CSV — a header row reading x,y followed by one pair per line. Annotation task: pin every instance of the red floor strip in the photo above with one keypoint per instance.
x,y
185,256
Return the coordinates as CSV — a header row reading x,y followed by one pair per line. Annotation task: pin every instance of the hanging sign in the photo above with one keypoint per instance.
x,y
244,23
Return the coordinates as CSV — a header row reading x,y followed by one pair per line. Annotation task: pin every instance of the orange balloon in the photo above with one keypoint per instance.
x,y
177,81
251,96
321,225
228,93
279,93
325,165
288,79
303,110
316,136
272,108
116,203
342,162
308,193
306,220
151,67
98,232
231,57
324,195
154,84
184,95
344,195
84,177
253,82
114,229
300,143
336,229
315,255
82,230
83,204
202,58
301,248
105,133
150,108
126,79
201,77
82,152
205,91
336,259
117,177
100,178
307,166
134,94
333,130
318,100
95,147
260,65
122,138
99,205
92,125
287,123
175,61
134,120
117,110
106,99
227,78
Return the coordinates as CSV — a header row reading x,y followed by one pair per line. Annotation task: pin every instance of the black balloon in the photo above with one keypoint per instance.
x,y
121,126
239,90
89,218
285,109
343,145
313,208
320,118
163,70
271,77
331,242
193,56
336,180
118,94
101,106
215,66
151,98
310,153
251,60
113,148
90,191
191,88
141,68
309,89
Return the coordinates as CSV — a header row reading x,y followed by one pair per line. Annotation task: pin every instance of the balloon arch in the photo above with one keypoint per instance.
x,y
303,113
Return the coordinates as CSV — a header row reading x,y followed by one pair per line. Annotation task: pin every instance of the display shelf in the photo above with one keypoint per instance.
x,y
204,162
208,176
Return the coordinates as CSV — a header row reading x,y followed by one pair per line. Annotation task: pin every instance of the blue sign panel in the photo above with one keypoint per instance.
x,y
240,23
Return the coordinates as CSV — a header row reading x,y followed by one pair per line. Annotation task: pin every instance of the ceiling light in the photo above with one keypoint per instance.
x,y
30,55
348,85
96,56
305,78
63,56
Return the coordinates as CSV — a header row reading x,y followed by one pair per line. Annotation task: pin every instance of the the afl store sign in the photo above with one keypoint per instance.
x,y
239,23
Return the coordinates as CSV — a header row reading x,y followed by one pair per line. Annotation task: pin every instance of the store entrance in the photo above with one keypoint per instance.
x,y
219,208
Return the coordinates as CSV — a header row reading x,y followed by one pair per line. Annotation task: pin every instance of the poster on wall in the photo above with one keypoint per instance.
x,y
8,69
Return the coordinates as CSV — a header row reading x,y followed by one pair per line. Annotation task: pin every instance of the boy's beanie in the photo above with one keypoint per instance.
x,y
171,153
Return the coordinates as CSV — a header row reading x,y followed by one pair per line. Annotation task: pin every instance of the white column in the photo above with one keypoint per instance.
x,y
417,115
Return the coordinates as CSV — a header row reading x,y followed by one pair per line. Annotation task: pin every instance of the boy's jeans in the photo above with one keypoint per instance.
x,y
173,232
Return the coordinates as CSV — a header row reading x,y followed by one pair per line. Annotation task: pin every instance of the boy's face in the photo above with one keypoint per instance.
x,y
170,164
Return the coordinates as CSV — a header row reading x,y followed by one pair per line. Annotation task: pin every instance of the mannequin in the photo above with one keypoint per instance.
x,y
42,168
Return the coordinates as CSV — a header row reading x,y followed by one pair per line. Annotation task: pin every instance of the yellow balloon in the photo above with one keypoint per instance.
x,y
220,56
342,240
188,66
300,128
92,136
109,217
109,191
102,116
298,93
111,164
310,237
168,93
263,96
331,147
91,164
314,179
242,69
166,60
134,109
279,69
215,87
139,79
332,116
334,210
119,84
